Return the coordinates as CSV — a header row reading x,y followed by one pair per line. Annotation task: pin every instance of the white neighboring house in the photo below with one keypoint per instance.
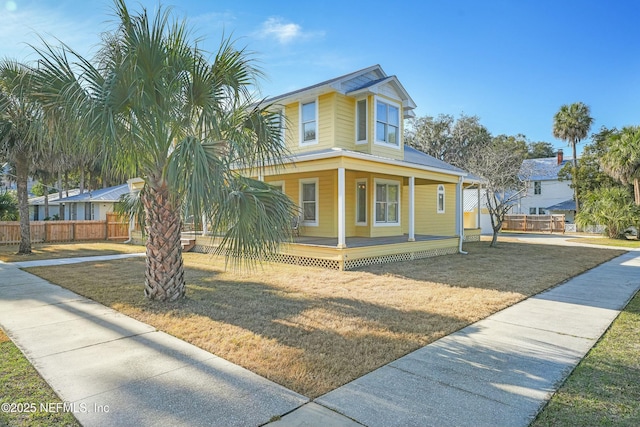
x,y
90,205
36,205
546,194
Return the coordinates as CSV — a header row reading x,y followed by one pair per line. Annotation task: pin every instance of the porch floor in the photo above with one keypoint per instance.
x,y
359,242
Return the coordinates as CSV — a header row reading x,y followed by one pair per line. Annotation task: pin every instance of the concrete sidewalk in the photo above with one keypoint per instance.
x,y
497,372
115,371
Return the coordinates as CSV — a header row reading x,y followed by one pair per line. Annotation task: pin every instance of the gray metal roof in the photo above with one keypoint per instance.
x,y
545,169
567,205
110,194
412,155
53,198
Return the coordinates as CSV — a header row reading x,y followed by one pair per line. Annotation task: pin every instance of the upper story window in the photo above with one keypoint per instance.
x,y
361,121
537,187
440,198
309,123
387,123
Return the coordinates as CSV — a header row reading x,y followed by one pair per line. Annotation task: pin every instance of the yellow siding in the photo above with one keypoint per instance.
x,y
427,219
327,203
470,219
345,122
292,132
326,126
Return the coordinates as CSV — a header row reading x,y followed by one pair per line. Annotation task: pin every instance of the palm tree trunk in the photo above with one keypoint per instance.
x,y
22,176
164,274
573,176
636,190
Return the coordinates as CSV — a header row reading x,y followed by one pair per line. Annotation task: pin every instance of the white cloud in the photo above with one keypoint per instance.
x,y
284,32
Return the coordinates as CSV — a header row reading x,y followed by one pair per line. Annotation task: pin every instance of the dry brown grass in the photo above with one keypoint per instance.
x,y
67,250
313,330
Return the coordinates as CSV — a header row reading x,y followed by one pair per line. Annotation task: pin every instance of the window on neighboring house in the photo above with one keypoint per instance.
x,y
36,213
542,211
308,123
537,187
440,198
361,202
387,207
87,211
532,211
73,211
361,121
309,201
387,123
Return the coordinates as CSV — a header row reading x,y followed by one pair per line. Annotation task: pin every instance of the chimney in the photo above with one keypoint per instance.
x,y
560,157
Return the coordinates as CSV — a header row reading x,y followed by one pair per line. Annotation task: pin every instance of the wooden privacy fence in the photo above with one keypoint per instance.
x,y
65,231
540,223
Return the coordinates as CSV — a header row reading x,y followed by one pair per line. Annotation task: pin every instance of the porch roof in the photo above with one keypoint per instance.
x,y
412,158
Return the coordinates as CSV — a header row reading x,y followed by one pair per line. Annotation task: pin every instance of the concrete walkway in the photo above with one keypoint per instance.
x,y
115,371
497,372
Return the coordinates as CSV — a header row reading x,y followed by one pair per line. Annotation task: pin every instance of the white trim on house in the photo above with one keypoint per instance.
x,y
314,181
398,107
366,121
366,199
386,223
277,184
441,191
302,142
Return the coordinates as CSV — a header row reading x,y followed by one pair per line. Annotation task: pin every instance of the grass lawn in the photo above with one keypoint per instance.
x,y
604,389
313,330
67,250
21,386
605,241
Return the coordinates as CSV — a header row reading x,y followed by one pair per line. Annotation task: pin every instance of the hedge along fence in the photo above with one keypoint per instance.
x,y
64,231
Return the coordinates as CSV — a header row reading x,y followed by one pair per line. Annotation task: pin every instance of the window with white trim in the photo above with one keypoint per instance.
x,y
387,123
537,187
440,198
532,211
309,201
361,202
361,121
308,123
387,202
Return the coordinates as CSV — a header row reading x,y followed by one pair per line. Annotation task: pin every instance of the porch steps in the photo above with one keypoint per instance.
x,y
187,243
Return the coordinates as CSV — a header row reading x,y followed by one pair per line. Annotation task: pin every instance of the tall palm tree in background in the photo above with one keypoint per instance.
x,y
622,159
21,134
571,124
162,110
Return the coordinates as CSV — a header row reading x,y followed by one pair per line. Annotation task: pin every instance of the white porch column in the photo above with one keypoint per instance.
x,y
260,177
204,225
342,241
459,210
479,209
412,208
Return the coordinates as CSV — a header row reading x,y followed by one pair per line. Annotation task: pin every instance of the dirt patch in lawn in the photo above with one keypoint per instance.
x,y
313,330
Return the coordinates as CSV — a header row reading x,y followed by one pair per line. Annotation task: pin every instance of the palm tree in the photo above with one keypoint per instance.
x,y
622,159
21,133
571,124
162,110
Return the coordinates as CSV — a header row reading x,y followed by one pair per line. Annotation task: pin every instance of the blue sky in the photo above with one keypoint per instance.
x,y
512,63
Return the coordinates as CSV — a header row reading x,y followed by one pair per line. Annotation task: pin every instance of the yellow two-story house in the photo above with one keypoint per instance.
x,y
364,196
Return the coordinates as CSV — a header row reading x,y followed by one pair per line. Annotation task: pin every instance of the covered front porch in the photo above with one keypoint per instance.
x,y
324,252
